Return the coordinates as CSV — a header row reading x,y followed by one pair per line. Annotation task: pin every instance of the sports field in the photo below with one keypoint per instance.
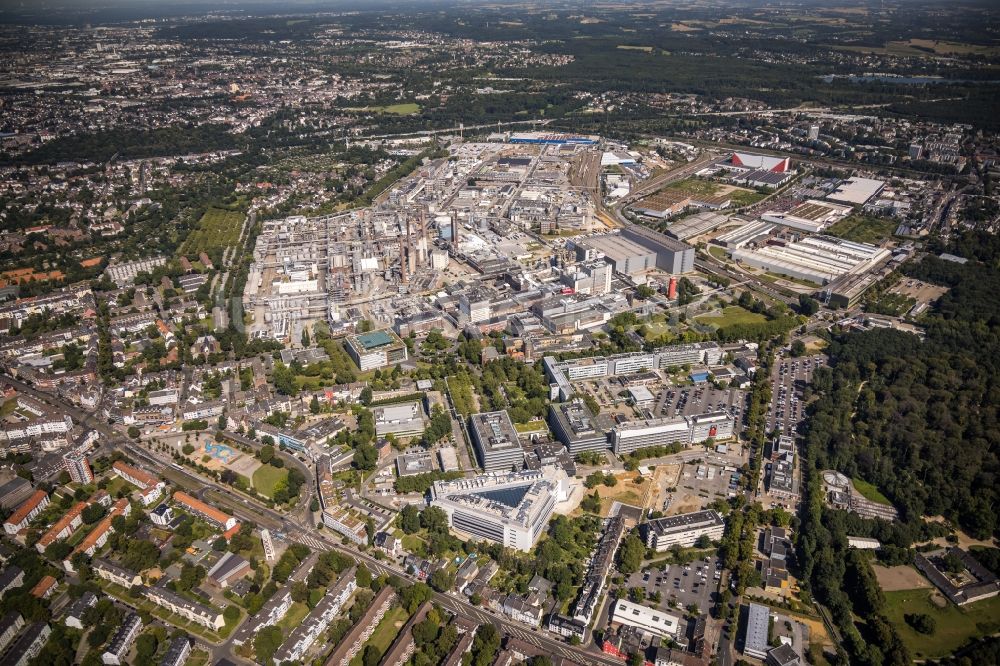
x,y
217,228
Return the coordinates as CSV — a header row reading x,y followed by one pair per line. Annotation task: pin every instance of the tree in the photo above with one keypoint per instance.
x,y
630,555
703,541
365,457
266,453
266,643
231,614
372,656
133,432
410,519
798,348
921,622
441,580
314,405
637,659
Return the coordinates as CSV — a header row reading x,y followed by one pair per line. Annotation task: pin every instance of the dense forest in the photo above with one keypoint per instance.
x,y
919,420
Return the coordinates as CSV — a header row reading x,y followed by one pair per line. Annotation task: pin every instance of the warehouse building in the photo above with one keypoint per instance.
x,y
496,441
857,191
672,255
511,509
376,349
625,256
682,530
752,162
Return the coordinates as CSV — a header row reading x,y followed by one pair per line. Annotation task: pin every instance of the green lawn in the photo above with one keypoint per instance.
x,y
863,229
530,426
731,315
293,617
955,626
384,633
217,228
718,252
267,478
869,491
8,408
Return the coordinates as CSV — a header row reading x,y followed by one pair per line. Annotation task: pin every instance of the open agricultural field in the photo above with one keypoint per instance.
x,y
217,228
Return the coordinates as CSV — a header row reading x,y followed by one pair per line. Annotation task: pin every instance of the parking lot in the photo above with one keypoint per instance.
x,y
790,376
690,400
679,585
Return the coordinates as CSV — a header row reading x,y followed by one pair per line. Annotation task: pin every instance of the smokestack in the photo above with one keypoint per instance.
x,y
672,289
454,232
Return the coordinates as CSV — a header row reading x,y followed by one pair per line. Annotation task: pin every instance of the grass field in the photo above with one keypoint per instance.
x,y
743,197
731,315
863,229
954,627
870,492
397,109
293,617
216,228
267,478
384,633
694,186
626,47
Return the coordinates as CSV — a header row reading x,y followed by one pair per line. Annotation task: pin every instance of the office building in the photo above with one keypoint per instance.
x,y
635,435
15,492
511,509
683,530
78,467
28,645
672,256
119,647
647,620
755,637
376,349
576,427
496,441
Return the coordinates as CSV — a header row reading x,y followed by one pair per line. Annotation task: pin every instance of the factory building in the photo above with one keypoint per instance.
x,y
511,509
857,191
496,442
818,259
682,530
376,349
811,215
